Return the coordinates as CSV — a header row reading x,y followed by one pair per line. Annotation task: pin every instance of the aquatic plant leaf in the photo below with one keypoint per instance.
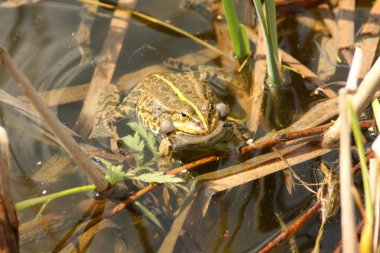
x,y
147,136
158,177
136,146
114,173
134,143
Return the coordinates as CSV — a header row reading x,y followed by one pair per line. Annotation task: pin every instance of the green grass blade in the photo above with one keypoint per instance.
x,y
269,39
245,40
272,32
272,26
360,146
35,201
239,41
149,215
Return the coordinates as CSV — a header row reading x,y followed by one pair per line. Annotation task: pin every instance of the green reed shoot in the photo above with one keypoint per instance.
x,y
269,27
237,31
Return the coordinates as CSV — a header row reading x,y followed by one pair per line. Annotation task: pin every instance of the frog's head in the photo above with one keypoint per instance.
x,y
195,120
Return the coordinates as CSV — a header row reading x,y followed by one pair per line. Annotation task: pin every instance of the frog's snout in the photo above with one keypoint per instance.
x,y
222,109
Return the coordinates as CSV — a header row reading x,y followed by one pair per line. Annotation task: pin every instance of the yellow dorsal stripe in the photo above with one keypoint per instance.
x,y
182,97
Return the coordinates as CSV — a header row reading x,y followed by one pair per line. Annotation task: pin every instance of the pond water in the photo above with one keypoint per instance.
x,y
42,38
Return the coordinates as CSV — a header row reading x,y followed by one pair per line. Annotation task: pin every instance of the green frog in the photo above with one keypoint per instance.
x,y
180,107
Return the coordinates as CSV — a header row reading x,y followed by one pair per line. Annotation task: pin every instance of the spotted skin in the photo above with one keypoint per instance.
x,y
153,100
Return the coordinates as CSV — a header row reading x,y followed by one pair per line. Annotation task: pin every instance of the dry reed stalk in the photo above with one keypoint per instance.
x,y
353,75
257,85
362,98
93,170
328,18
256,167
346,28
345,166
369,38
9,239
103,73
306,73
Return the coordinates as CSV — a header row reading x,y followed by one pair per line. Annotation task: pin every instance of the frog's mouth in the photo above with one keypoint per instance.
x,y
182,140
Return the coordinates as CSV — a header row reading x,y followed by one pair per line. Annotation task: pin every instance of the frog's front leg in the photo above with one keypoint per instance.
x,y
164,155
109,111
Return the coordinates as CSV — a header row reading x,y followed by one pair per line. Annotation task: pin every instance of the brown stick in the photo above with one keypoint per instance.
x,y
150,187
346,25
369,39
104,71
8,217
277,139
290,231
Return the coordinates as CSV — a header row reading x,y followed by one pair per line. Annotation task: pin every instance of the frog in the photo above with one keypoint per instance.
x,y
179,107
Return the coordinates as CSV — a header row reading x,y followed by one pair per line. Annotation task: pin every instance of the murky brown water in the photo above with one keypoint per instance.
x,y
41,39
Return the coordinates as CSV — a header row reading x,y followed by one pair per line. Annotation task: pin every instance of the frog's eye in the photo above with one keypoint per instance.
x,y
183,114
166,126
222,109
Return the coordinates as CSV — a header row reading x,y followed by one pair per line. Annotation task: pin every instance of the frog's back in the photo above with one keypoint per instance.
x,y
163,94
156,88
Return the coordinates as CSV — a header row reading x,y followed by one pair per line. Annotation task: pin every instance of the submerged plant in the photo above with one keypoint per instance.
x,y
143,170
115,173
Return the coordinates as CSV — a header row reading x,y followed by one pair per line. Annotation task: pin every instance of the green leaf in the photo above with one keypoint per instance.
x,y
158,177
114,173
245,39
147,136
134,143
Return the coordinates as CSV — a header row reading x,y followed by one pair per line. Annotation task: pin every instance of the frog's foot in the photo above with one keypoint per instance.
x,y
219,78
103,129
204,73
164,155
180,66
164,163
104,113
208,5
